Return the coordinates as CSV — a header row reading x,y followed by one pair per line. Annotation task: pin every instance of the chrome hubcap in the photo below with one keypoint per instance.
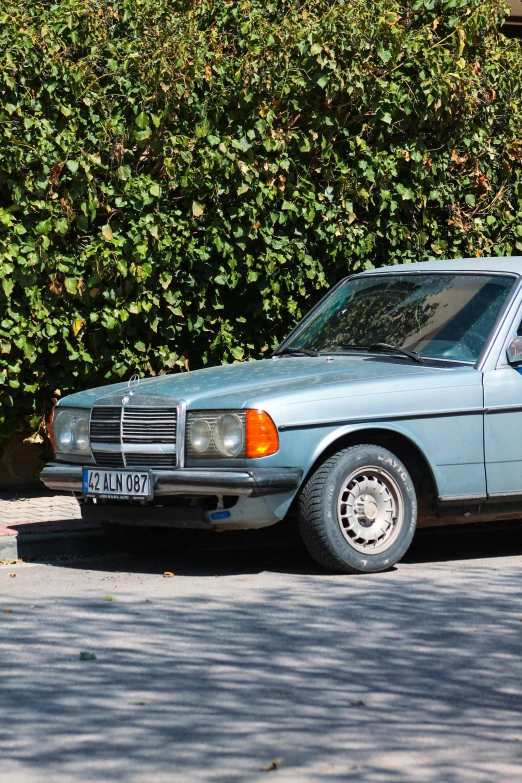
x,y
370,510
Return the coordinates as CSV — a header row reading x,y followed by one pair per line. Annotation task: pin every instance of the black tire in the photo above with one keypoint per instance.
x,y
328,521
147,540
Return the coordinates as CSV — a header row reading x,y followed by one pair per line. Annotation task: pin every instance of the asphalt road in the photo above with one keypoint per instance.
x,y
253,658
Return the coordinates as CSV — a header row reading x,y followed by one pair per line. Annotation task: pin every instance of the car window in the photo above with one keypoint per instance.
x,y
445,316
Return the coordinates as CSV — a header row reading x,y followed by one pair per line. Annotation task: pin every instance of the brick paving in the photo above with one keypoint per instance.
x,y
40,525
18,508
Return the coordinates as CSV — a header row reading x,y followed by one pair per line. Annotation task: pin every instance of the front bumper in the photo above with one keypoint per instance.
x,y
192,482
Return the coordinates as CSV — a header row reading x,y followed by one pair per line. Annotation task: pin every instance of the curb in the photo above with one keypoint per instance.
x,y
40,540
34,541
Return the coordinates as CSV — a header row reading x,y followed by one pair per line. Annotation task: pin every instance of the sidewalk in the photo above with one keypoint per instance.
x,y
44,525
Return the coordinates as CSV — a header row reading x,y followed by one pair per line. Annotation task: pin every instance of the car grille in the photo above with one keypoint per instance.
x,y
154,429
107,459
150,460
149,425
105,424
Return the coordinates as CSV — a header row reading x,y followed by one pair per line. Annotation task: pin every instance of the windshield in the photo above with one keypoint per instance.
x,y
441,316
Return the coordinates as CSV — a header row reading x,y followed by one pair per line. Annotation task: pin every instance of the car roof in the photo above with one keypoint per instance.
x,y
512,264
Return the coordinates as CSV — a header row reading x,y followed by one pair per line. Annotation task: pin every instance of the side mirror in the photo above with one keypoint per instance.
x,y
514,351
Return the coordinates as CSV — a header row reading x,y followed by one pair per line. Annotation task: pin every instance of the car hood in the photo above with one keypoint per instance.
x,y
287,381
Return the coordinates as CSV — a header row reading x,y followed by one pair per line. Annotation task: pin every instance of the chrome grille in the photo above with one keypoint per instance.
x,y
105,424
149,425
150,460
107,459
136,436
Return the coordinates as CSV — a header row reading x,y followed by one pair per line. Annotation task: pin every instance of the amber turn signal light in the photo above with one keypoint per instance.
x,y
261,434
51,417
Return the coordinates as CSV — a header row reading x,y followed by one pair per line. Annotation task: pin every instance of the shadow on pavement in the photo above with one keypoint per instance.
x,y
279,549
408,676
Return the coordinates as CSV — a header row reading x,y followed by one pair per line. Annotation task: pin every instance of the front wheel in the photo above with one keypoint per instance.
x,y
358,511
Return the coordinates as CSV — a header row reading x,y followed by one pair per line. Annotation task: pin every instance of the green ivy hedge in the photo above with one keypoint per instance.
x,y
179,181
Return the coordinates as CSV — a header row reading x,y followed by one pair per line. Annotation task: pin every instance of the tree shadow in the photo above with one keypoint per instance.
x,y
279,549
414,675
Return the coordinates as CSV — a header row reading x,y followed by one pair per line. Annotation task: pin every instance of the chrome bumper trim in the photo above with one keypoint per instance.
x,y
250,482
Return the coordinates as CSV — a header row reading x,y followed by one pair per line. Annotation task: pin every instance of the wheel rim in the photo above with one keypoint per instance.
x,y
370,509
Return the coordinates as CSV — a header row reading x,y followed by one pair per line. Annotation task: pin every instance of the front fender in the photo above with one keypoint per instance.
x,y
304,447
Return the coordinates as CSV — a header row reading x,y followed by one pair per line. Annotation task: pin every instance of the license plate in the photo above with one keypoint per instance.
x,y
117,484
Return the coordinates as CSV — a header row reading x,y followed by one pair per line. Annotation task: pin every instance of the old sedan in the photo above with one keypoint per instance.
x,y
396,402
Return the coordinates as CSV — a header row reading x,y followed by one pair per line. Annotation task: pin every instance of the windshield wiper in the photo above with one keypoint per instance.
x,y
416,357
388,347
297,352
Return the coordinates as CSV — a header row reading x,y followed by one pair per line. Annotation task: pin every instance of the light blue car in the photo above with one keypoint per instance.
x,y
396,402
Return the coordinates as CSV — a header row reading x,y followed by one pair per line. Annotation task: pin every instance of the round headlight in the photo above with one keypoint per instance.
x,y
63,431
228,435
199,435
81,434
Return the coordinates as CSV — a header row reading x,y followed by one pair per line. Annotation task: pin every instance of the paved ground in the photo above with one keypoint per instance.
x,y
248,656
44,525
16,508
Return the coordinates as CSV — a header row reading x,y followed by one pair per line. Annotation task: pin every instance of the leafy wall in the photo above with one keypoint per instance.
x,y
179,181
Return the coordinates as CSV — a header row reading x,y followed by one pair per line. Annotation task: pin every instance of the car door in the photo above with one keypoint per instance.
x,y
503,423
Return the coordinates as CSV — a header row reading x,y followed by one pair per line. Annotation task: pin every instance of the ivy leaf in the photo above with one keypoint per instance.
x,y
241,144
77,324
72,165
237,352
107,232
28,350
71,285
165,279
109,321
384,54
406,193
87,656
391,17
44,227
61,226
197,209
142,120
